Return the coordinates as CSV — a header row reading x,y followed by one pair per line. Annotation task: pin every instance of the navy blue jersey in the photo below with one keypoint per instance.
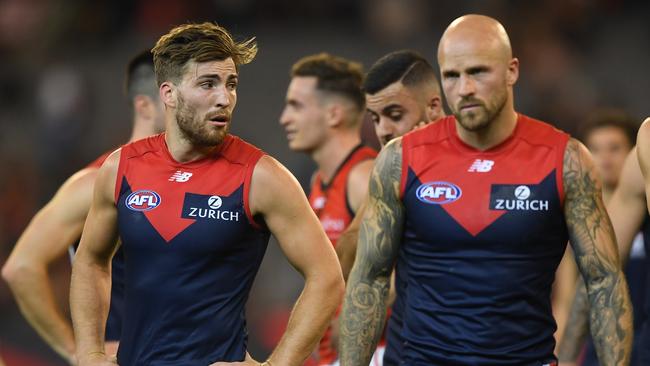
x,y
484,233
191,251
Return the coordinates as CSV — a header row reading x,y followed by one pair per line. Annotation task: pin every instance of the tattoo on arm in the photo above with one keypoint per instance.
x,y
594,244
364,308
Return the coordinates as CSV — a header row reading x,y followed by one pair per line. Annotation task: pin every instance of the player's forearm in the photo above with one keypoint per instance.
x,y
576,328
611,319
89,302
310,317
362,321
32,289
346,250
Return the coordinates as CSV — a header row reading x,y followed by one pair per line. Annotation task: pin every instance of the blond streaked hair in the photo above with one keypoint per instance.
x,y
200,43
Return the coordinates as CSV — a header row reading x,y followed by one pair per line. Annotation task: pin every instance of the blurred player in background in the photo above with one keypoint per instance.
x,y
58,225
402,94
322,117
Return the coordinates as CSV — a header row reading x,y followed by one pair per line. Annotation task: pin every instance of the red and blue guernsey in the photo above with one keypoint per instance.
x,y
483,235
330,203
191,251
115,313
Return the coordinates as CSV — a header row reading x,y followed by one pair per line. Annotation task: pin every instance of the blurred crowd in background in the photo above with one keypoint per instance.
x,y
62,102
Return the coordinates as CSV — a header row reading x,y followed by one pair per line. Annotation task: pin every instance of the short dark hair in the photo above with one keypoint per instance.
x,y
140,76
610,117
406,66
334,74
199,42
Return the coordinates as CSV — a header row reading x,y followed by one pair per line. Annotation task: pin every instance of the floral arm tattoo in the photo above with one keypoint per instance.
x,y
364,306
604,290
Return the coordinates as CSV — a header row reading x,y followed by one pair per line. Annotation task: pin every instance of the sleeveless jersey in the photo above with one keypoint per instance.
x,y
191,252
330,202
483,235
115,312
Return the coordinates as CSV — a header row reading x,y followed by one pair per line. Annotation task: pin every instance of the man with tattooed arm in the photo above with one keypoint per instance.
x,y
480,206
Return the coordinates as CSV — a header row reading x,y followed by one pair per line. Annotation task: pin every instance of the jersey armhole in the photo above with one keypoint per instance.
x,y
119,177
560,168
247,187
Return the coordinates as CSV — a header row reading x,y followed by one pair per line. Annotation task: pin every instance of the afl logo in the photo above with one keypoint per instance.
x,y
438,193
143,200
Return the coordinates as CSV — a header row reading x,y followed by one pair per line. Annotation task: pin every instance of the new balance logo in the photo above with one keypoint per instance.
x,y
180,176
481,166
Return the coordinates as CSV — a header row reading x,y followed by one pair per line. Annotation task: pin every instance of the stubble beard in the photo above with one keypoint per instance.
x,y
474,121
196,130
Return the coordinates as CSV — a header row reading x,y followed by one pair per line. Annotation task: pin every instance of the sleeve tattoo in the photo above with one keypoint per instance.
x,y
604,290
364,306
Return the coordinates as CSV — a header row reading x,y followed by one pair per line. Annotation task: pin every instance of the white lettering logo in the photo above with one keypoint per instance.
x,y
205,213
143,200
522,192
180,177
481,166
438,193
214,202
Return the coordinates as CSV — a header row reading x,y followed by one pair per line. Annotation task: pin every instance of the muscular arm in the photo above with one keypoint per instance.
x,y
626,209
364,307
91,270
346,246
303,241
594,244
46,239
357,188
564,290
357,185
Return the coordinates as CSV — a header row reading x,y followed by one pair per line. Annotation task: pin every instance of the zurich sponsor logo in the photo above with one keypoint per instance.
x,y
143,200
438,193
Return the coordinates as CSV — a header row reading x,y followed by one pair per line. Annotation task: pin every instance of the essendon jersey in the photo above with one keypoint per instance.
x,y
483,235
191,252
330,202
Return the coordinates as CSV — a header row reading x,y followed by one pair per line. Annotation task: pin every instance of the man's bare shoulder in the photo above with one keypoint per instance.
x,y
360,173
270,184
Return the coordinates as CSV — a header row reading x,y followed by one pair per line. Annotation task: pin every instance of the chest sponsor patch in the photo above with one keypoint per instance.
x,y
143,200
438,193
517,197
208,207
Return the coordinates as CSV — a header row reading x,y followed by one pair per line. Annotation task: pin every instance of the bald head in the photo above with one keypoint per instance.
x,y
477,71
471,33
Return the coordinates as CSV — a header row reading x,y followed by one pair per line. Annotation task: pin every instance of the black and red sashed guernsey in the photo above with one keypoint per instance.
x,y
191,252
483,236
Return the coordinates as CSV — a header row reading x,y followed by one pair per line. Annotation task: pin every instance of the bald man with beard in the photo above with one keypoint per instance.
x,y
480,206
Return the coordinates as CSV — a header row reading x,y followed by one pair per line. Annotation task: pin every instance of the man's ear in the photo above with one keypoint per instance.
x,y
434,108
168,92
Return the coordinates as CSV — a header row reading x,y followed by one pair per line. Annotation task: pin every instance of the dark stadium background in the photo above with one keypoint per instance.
x,y
61,100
